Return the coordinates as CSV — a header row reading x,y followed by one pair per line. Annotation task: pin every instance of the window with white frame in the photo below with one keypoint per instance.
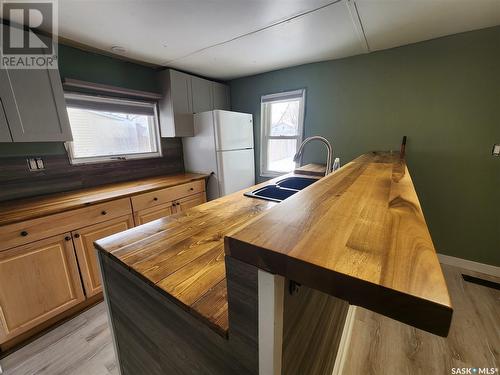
x,y
106,129
282,121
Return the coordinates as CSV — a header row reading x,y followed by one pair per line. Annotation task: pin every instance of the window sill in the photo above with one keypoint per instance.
x,y
100,160
273,175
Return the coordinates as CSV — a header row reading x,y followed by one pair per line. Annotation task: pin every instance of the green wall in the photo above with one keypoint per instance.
x,y
443,94
87,66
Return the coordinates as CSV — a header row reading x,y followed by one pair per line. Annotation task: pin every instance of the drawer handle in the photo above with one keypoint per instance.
x,y
24,233
191,188
155,198
67,238
77,235
103,213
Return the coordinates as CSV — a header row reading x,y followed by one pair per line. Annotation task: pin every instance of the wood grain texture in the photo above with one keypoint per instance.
x,y
382,346
358,234
26,209
59,175
42,227
156,336
41,329
313,323
37,282
379,345
83,240
183,254
311,169
80,346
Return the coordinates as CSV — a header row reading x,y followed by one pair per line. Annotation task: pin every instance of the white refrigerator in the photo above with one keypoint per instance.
x,y
222,146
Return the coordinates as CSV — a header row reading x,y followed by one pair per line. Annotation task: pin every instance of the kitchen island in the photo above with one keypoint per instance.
x,y
244,285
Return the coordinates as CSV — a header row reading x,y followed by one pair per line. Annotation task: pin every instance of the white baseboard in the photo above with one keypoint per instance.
x,y
470,265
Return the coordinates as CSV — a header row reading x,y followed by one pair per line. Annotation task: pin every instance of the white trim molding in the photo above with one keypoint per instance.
x,y
271,298
470,265
345,341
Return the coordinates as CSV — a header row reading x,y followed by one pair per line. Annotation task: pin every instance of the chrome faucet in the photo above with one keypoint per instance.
x,y
329,159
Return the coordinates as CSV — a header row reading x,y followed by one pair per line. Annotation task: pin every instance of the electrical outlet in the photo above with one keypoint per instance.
x,y
35,164
496,150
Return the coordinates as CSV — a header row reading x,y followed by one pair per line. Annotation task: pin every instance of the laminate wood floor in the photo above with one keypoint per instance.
x,y
80,346
379,345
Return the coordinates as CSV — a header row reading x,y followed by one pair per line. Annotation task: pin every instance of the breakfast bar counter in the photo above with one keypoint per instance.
x,y
281,288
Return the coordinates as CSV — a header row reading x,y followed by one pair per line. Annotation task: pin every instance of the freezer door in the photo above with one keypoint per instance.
x,y
236,170
233,130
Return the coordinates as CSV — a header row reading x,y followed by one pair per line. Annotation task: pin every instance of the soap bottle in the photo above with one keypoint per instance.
x,y
336,164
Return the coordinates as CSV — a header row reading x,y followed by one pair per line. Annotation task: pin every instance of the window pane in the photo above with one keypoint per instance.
x,y
280,154
285,118
101,133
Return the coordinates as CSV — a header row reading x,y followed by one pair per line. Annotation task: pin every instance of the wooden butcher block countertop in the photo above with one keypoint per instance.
x,y
358,234
183,255
25,209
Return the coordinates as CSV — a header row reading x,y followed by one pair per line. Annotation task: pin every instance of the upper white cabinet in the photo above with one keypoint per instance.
x,y
220,96
185,95
33,101
176,106
33,107
180,89
202,94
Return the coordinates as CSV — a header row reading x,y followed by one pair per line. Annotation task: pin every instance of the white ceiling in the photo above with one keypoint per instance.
x,y
226,39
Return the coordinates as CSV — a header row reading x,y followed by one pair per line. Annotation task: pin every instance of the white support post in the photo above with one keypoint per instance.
x,y
271,297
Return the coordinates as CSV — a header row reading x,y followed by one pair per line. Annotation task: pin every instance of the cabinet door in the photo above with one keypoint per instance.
x,y
180,88
37,282
220,94
4,126
38,113
149,214
87,258
191,201
202,94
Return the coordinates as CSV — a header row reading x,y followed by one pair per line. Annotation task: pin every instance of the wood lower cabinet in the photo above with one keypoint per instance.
x,y
166,209
84,245
191,201
37,282
153,213
46,276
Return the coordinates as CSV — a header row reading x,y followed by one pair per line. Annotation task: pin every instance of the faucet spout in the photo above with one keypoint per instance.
x,y
329,158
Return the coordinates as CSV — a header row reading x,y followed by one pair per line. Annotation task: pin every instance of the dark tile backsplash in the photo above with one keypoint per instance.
x,y
59,175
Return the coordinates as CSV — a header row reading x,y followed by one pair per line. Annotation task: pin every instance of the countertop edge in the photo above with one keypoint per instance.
x,y
83,204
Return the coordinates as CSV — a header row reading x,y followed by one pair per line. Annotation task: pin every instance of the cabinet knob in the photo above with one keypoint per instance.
x,y
77,235
155,198
191,188
103,212
67,238
24,233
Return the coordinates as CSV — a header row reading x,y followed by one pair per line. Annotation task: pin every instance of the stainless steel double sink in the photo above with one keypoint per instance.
x,y
282,189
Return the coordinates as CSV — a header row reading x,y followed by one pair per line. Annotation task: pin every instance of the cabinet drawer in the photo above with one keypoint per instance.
x,y
36,229
157,197
153,213
191,201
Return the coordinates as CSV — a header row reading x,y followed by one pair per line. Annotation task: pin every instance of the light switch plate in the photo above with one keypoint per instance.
x,y
496,150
